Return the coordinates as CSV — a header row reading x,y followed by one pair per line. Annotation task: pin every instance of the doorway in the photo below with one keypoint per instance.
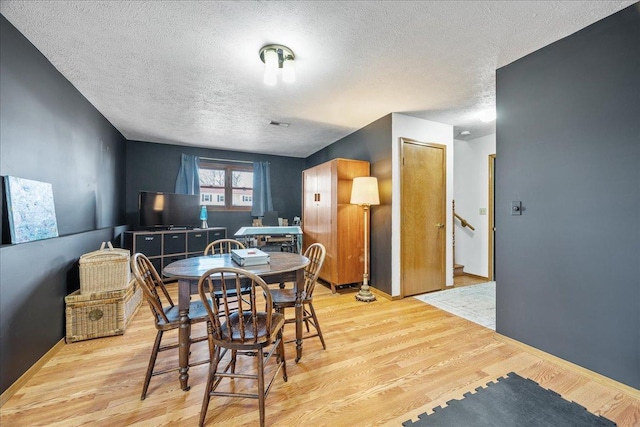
x,y
423,217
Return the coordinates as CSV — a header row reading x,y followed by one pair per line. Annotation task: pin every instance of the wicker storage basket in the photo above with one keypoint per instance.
x,y
106,269
101,314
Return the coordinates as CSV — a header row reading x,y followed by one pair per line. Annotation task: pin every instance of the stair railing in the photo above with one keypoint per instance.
x,y
464,223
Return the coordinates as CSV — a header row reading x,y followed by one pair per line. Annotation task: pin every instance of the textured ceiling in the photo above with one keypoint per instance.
x,y
188,72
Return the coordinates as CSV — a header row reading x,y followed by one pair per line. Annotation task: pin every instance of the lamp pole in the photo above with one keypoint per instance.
x,y
364,192
365,294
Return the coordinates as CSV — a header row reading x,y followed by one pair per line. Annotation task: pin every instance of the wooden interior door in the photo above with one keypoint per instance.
x,y
324,206
309,215
423,217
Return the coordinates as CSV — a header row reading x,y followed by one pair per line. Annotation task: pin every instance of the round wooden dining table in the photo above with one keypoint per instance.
x,y
282,267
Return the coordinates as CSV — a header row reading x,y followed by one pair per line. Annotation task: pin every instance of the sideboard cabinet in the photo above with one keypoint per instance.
x,y
330,219
164,247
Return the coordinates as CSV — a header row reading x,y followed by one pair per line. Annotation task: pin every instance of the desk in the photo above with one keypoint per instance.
x,y
295,231
283,267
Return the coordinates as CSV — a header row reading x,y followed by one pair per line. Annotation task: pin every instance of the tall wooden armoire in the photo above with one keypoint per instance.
x,y
329,218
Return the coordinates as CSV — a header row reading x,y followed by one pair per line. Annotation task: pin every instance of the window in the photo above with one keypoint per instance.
x,y
226,186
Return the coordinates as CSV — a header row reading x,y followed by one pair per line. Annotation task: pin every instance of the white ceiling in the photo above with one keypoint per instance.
x,y
188,72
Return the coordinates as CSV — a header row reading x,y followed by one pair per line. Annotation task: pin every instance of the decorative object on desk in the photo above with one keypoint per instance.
x,y
257,222
296,220
30,208
203,217
364,192
249,257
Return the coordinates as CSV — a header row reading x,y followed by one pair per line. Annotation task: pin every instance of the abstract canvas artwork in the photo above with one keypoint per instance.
x,y
30,208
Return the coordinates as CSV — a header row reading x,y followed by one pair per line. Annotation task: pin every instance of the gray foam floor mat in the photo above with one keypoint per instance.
x,y
510,402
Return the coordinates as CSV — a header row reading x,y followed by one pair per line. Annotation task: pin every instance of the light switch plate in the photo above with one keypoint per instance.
x,y
483,211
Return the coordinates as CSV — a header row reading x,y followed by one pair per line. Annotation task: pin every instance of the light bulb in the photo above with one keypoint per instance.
x,y
270,67
288,70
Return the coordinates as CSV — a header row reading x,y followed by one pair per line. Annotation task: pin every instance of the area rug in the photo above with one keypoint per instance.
x,y
476,303
511,402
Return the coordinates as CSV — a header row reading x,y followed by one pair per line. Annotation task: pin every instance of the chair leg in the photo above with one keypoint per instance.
x,y
317,324
213,368
283,359
260,360
234,353
305,317
152,364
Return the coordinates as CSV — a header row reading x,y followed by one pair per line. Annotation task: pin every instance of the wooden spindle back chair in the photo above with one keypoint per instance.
x,y
166,317
283,298
223,246
251,328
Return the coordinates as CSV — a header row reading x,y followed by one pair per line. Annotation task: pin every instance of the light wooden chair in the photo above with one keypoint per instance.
x,y
165,317
247,329
222,246
283,298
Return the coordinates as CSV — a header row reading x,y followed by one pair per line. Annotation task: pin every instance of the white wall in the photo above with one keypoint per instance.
x,y
424,131
471,193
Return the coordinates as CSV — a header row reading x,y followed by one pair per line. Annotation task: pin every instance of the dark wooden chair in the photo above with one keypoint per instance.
x,y
225,246
165,317
252,328
283,298
222,246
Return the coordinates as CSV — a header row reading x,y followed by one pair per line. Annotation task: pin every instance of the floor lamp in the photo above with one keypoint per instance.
x,y
365,193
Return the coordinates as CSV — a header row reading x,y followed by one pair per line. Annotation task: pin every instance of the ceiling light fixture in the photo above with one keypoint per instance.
x,y
465,133
487,116
277,56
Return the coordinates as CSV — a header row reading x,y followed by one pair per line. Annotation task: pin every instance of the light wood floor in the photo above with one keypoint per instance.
x,y
468,280
386,362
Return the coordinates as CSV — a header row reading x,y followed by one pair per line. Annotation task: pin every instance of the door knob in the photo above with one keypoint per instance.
x,y
439,225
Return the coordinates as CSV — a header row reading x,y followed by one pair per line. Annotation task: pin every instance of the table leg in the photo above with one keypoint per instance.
x,y
299,286
184,332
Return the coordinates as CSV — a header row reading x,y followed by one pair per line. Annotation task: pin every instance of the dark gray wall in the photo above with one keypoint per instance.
x,y
373,144
154,167
50,132
568,147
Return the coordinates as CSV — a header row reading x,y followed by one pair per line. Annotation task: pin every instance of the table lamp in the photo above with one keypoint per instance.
x,y
203,217
364,192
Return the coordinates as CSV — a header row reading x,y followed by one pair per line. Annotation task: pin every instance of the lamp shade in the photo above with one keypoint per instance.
x,y
288,70
270,67
365,191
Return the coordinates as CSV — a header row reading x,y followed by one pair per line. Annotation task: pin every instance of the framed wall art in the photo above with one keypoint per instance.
x,y
30,209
